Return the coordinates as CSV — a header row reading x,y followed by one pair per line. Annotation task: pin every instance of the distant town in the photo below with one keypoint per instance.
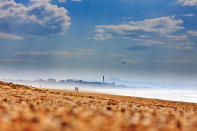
x,y
68,82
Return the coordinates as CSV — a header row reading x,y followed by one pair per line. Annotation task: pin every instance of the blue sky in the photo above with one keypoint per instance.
x,y
147,40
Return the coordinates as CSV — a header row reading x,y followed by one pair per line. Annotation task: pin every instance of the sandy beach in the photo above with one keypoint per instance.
x,y
32,109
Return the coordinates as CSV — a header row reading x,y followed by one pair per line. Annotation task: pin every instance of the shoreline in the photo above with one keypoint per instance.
x,y
109,93
102,93
85,92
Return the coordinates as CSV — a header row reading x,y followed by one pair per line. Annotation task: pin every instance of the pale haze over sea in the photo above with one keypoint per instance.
x,y
184,94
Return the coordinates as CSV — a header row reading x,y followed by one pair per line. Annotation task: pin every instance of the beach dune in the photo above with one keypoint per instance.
x,y
33,109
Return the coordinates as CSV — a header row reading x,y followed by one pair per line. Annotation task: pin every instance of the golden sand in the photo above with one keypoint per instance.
x,y
32,109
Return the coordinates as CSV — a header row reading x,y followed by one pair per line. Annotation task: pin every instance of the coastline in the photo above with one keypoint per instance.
x,y
170,94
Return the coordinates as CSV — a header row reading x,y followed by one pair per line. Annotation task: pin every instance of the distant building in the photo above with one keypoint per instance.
x,y
62,81
51,80
70,80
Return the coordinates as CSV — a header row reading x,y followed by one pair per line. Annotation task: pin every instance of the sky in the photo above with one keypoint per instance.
x,y
136,40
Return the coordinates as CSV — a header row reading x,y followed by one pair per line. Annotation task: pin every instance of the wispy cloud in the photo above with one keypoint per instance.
x,y
161,26
16,60
149,41
102,36
187,2
181,45
177,37
61,1
75,53
130,61
192,32
10,36
77,0
165,28
188,15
